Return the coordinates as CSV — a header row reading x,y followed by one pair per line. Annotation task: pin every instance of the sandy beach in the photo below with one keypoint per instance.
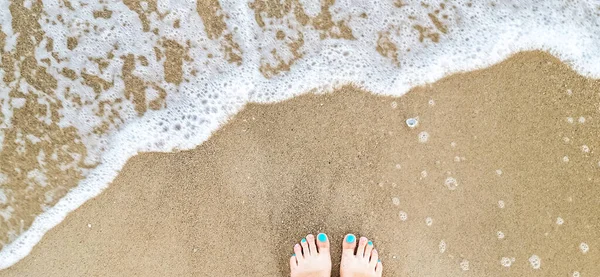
x,y
501,167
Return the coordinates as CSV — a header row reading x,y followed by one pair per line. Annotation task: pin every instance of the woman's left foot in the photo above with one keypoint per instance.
x,y
311,257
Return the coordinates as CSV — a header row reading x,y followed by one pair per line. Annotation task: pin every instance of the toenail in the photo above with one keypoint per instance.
x,y
293,255
322,237
303,240
378,260
370,243
350,238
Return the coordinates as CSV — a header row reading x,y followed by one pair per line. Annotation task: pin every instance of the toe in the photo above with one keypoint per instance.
x,y
362,244
298,253
349,244
322,243
312,245
305,250
368,249
379,268
293,262
374,259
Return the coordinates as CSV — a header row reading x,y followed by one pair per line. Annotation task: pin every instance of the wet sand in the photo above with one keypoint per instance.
x,y
334,163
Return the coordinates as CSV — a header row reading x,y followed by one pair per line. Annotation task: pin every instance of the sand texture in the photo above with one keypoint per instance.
x,y
334,163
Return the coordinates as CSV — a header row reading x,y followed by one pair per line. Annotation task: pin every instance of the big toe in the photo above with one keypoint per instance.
x,y
349,244
322,243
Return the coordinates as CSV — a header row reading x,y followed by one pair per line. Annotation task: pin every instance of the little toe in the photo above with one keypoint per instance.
x,y
293,262
374,259
349,244
312,246
322,243
379,268
362,244
304,244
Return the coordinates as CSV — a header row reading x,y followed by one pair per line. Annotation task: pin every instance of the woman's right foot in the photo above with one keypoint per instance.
x,y
365,263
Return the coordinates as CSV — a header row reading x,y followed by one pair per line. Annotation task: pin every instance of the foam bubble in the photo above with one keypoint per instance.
x,y
499,172
403,215
506,261
442,246
396,201
576,274
584,247
581,120
535,261
501,204
451,183
428,221
413,122
570,120
500,235
565,159
585,149
423,137
464,265
560,221
394,104
431,102
569,92
424,174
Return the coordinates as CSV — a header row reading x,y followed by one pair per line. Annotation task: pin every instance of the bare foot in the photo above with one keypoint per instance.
x,y
310,259
365,263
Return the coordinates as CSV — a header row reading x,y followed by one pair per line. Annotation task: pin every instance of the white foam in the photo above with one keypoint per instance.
x,y
403,215
584,247
535,261
472,41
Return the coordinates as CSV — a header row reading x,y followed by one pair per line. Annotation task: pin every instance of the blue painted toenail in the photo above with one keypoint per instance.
x,y
293,255
350,238
370,243
378,261
322,237
303,240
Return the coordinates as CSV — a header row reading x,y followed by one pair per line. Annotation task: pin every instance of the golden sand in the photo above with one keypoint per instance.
x,y
347,162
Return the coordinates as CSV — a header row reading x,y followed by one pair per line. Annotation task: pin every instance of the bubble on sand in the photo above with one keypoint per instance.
x,y
501,204
581,120
576,274
585,149
500,234
453,144
535,261
398,166
565,159
451,183
428,221
560,221
423,137
394,104
570,120
403,215
412,122
457,159
566,139
431,102
464,265
584,247
424,174
569,92
499,171
442,246
506,261
396,201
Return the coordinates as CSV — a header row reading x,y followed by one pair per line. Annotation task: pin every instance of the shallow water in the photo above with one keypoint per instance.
x,y
86,85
